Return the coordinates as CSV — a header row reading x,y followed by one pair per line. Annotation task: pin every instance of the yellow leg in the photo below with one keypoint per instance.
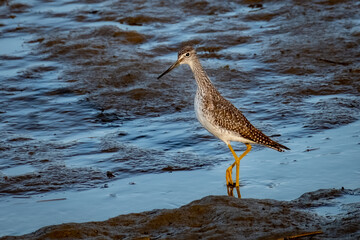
x,y
229,180
230,191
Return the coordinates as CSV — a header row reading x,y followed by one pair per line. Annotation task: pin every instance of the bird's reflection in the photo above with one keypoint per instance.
x,y
230,191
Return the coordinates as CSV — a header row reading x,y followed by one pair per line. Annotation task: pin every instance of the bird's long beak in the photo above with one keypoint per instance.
x,y
177,63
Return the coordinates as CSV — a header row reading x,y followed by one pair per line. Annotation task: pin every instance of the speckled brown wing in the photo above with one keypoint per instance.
x,y
233,120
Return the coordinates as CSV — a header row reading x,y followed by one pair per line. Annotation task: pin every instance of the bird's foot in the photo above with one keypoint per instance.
x,y
230,191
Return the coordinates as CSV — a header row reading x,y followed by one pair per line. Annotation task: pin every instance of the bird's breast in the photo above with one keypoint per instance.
x,y
204,110
214,113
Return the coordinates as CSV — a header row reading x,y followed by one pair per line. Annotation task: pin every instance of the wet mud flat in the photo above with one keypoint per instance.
x,y
223,217
291,63
90,110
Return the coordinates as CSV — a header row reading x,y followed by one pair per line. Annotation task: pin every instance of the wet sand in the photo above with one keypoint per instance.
x,y
81,108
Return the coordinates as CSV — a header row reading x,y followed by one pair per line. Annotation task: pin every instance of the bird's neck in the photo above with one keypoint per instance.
x,y
202,80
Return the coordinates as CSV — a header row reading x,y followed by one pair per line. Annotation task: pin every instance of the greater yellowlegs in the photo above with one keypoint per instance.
x,y
219,116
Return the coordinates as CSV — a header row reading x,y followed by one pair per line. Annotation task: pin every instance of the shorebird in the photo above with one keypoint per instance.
x,y
219,116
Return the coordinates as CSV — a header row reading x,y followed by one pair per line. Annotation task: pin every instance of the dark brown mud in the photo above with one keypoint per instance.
x,y
222,217
53,177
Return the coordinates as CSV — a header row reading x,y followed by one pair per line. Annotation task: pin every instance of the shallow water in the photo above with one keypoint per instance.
x,y
80,103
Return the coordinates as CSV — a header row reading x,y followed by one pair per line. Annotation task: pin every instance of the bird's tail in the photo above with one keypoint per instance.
x,y
277,146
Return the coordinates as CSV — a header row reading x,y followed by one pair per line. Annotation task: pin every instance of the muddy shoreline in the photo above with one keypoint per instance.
x,y
223,217
79,102
291,64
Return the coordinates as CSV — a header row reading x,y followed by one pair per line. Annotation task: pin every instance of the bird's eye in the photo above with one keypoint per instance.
x,y
187,54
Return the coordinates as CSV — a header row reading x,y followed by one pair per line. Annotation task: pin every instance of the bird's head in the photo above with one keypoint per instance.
x,y
185,56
